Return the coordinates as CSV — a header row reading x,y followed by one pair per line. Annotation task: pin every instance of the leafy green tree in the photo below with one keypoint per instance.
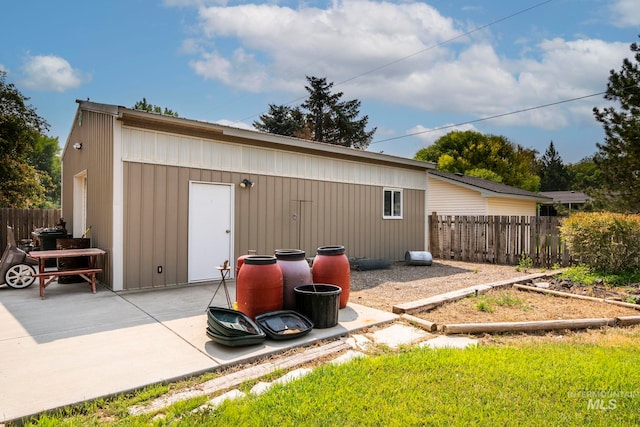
x,y
619,154
554,175
585,175
324,118
484,174
145,106
20,128
490,157
45,157
282,120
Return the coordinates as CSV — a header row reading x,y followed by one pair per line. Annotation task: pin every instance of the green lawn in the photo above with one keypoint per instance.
x,y
580,379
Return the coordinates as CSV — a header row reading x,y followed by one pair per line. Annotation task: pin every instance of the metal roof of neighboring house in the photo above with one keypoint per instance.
x,y
168,123
566,197
489,188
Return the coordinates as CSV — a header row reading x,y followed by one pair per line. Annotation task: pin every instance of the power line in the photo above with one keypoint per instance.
x,y
491,117
459,36
373,70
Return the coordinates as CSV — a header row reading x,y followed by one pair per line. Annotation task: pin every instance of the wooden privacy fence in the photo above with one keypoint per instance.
x,y
498,239
24,221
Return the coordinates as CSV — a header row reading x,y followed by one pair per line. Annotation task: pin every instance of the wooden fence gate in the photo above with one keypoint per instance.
x,y
498,239
24,221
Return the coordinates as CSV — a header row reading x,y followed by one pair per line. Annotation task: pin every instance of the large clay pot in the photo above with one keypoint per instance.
x,y
259,285
295,272
331,266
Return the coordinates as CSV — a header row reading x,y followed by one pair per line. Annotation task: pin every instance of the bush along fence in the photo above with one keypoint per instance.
x,y
510,240
25,221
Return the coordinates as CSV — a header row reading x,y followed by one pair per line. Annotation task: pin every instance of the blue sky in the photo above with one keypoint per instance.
x,y
417,67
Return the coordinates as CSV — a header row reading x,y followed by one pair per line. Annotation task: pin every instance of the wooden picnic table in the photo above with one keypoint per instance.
x,y
48,276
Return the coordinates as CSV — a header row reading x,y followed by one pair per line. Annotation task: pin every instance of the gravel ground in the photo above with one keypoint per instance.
x,y
382,289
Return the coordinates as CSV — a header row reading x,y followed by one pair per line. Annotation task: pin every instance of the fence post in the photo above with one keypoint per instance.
x,y
24,221
447,238
433,235
498,239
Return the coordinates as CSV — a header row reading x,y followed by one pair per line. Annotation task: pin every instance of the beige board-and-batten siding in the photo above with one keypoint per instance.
x,y
95,130
334,200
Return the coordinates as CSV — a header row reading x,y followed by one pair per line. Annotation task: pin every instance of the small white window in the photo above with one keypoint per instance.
x,y
392,208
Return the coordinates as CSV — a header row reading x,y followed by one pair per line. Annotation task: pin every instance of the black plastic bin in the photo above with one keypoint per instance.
x,y
75,262
47,238
320,303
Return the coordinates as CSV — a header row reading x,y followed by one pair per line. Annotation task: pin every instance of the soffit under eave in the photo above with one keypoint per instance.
x,y
490,194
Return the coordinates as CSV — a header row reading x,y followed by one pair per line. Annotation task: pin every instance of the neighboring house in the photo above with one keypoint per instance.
x,y
170,198
457,194
572,200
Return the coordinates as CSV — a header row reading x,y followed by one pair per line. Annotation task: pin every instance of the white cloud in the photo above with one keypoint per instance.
x,y
240,125
190,47
566,70
241,69
428,136
626,13
405,54
336,42
49,72
191,3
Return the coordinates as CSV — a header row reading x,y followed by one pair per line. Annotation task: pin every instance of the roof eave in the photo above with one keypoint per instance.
x,y
488,193
134,116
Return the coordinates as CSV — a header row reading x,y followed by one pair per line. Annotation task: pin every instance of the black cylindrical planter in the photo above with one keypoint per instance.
x,y
75,262
320,303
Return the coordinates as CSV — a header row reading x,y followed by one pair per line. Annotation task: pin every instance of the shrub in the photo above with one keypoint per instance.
x,y
607,242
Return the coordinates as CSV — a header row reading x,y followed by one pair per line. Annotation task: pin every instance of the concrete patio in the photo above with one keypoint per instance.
x,y
76,346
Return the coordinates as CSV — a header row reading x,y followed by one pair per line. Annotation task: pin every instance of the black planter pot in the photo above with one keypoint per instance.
x,y
320,303
284,324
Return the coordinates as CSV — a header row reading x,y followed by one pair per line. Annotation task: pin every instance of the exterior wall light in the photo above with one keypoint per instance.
x,y
245,183
77,146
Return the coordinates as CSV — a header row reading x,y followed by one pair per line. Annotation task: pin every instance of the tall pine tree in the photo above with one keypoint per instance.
x,y
554,175
324,117
151,108
619,154
282,120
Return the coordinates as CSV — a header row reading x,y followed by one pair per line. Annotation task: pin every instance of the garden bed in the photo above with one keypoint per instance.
x,y
629,293
512,305
420,291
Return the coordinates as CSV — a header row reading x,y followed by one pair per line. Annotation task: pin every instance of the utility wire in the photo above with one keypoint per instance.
x,y
490,117
404,58
459,36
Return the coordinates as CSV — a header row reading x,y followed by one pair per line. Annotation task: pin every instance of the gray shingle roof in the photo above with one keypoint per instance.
x,y
489,186
567,196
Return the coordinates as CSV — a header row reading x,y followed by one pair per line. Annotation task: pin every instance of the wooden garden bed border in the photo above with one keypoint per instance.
x,y
430,303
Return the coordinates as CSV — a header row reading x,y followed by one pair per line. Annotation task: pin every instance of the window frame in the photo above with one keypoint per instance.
x,y
393,191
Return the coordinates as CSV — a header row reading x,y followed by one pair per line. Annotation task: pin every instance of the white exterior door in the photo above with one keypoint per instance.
x,y
80,204
210,229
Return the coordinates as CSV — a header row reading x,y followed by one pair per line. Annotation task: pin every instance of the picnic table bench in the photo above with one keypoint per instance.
x,y
87,273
